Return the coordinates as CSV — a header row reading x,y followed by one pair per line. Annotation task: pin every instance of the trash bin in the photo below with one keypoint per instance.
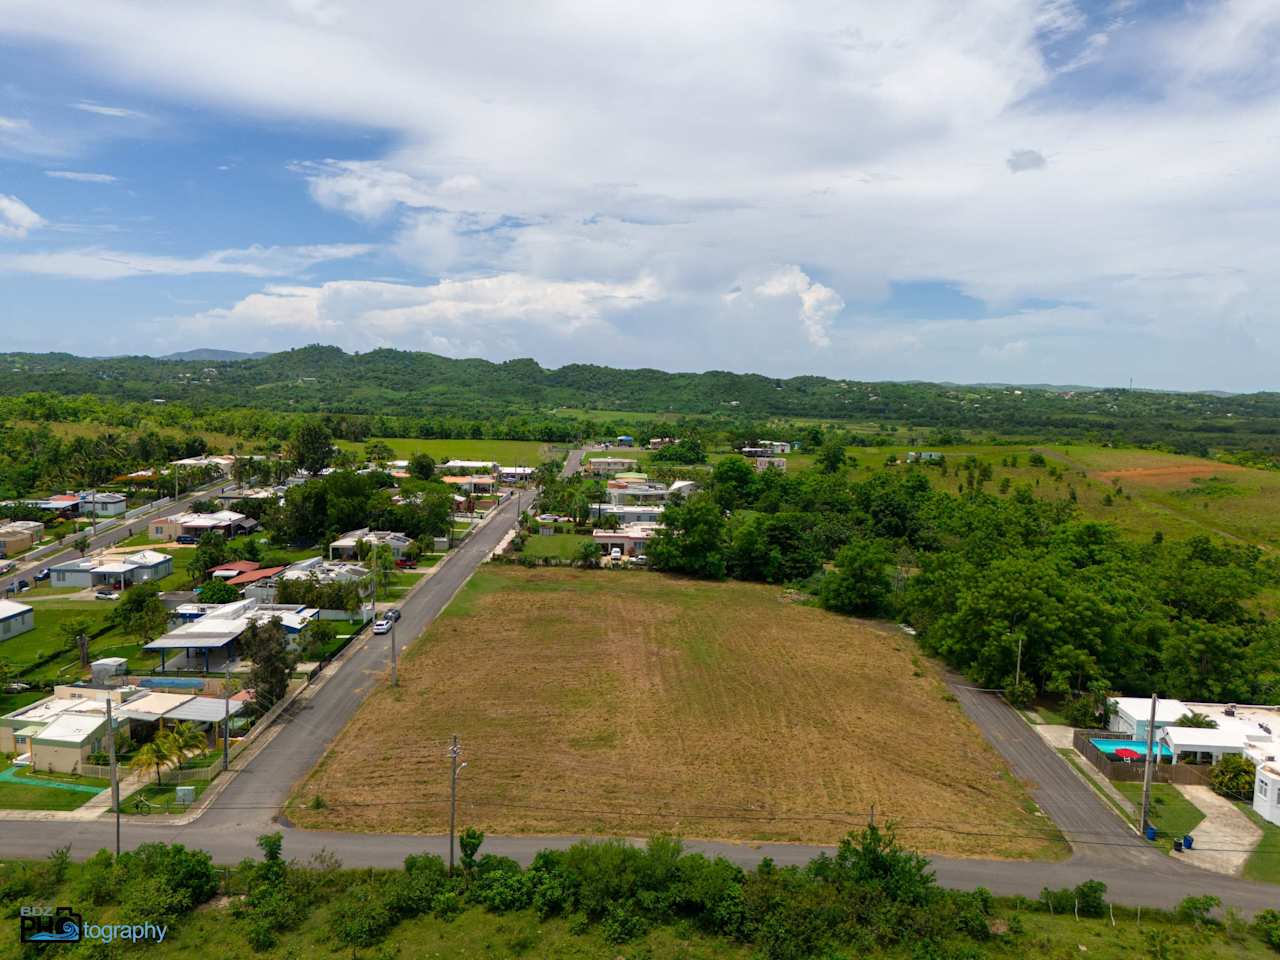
x,y
1177,845
1188,842
1151,832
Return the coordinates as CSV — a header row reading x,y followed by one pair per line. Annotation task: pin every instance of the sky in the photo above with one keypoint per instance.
x,y
1027,191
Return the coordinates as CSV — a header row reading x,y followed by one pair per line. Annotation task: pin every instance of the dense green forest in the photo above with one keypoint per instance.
x,y
400,384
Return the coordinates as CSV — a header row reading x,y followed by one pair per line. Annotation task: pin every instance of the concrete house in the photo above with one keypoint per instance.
x,y
228,523
490,467
347,547
15,618
1131,714
55,734
103,505
115,572
608,466
19,536
1266,792
632,539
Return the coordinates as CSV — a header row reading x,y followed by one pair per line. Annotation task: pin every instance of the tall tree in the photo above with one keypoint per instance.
x,y
267,645
311,446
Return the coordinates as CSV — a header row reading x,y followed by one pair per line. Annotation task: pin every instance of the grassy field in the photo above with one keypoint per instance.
x,y
1263,864
1148,491
563,546
590,702
68,431
30,794
506,452
24,650
1173,815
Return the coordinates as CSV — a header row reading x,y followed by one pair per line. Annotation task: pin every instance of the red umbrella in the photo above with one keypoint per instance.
x,y
1124,753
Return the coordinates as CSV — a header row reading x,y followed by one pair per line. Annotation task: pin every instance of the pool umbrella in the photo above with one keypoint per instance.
x,y
1124,753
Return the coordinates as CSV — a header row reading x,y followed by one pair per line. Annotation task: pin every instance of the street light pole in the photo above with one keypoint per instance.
x,y
115,782
226,719
395,679
455,769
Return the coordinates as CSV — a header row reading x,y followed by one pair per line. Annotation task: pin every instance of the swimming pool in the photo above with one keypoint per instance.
x,y
1109,747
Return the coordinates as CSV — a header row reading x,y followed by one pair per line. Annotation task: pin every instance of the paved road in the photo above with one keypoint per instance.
x,y
1105,848
110,536
573,462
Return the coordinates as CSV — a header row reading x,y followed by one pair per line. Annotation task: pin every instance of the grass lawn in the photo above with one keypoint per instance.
x,y
562,545
45,590
402,581
38,775
10,702
1173,815
28,648
591,703
1263,864
34,796
509,453
161,796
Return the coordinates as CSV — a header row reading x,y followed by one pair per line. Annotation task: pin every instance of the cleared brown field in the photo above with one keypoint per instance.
x,y
630,703
1172,477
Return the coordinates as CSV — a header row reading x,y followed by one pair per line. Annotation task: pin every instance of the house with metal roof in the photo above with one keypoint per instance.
x,y
15,618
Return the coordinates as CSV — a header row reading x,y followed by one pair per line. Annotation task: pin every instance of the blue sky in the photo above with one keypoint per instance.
x,y
1016,190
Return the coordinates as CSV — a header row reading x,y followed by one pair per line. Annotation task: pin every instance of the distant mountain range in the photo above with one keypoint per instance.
x,y
208,353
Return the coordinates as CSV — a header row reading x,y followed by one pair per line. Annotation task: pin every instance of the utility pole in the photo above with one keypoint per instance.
x,y
115,781
455,769
1017,675
1146,770
226,719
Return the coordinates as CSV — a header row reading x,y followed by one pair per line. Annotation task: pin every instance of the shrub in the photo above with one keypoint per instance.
x,y
1091,896
363,916
98,883
501,885
622,924
1233,776
1267,926
184,872
1198,910
150,899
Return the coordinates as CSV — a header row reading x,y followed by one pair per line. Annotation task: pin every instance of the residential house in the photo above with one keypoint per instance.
x,y
347,547
774,448
1130,715
766,463
1266,792
608,466
15,618
473,484
626,440
103,505
19,536
222,463
657,443
56,734
209,632
228,523
924,456
632,538
516,474
264,589
108,571
628,513
490,467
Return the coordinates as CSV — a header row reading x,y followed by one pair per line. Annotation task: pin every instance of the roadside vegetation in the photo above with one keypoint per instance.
x,y
873,898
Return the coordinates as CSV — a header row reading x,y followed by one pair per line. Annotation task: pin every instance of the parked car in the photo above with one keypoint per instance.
x,y
106,595
42,575
615,554
382,626
24,585
392,614
6,566
640,561
185,539
404,563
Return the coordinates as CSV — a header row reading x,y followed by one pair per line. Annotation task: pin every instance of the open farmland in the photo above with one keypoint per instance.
x,y
592,702
506,452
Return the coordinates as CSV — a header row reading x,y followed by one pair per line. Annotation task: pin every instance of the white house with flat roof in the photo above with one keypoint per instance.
x,y
1131,715
225,522
108,571
347,547
469,466
608,466
631,539
103,504
1266,792
15,618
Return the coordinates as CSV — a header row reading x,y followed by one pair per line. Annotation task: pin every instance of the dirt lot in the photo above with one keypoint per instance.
x,y
629,702
1174,476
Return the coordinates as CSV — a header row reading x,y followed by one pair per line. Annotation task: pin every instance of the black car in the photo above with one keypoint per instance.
x,y
42,575
24,585
391,614
185,539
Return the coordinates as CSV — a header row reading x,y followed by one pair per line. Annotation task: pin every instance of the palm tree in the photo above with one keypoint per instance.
x,y
181,738
151,754
1200,721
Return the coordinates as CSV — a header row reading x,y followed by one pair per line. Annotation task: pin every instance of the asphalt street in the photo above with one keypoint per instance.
x,y
1104,847
109,537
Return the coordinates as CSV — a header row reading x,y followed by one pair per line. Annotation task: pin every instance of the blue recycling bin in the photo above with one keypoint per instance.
x,y
1150,832
1188,842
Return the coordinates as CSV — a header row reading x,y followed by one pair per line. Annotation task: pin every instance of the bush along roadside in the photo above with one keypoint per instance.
x,y
871,898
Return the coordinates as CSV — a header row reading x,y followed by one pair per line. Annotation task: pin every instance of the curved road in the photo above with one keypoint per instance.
x,y
1105,848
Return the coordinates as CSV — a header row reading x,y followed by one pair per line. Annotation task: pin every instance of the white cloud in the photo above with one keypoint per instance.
x,y
13,123
104,110
503,314
868,142
80,177
819,305
101,264
16,218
